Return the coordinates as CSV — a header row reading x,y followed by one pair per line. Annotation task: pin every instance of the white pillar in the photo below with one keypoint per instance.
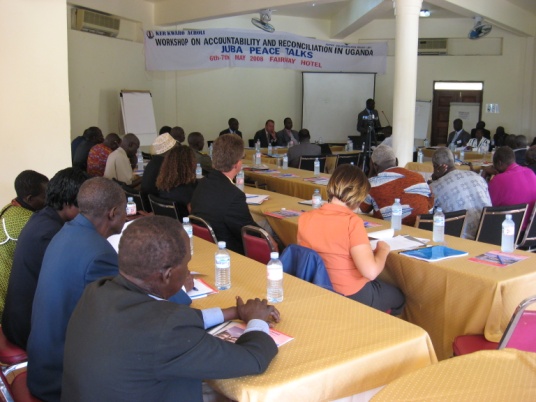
x,y
405,80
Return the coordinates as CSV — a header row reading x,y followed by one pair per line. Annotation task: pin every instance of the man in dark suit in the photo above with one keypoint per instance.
x,y
287,134
480,125
303,148
217,200
161,351
459,136
267,135
233,128
369,117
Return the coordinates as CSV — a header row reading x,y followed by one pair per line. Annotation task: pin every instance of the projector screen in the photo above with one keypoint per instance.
x,y
332,101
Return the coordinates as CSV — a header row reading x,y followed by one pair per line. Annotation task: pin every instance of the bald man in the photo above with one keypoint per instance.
x,y
118,164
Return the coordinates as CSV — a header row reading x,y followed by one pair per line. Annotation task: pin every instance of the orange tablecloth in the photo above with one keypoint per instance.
x,y
341,347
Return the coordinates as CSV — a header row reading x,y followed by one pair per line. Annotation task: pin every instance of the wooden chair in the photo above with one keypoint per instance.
x,y
136,195
161,206
307,162
203,229
528,241
258,244
490,227
454,222
346,159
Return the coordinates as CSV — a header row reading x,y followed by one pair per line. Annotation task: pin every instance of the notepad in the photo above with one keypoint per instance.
x,y
498,258
254,199
230,331
435,253
283,213
201,289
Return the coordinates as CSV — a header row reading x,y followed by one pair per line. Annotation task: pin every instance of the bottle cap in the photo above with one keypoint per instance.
x,y
508,216
130,199
274,255
185,220
397,199
439,209
221,244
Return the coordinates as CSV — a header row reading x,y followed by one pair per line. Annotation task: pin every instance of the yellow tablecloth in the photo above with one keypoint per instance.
x,y
498,375
340,348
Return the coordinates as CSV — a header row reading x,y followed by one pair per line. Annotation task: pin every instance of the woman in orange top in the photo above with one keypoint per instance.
x,y
338,234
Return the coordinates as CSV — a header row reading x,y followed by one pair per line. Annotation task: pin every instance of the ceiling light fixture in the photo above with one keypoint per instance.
x,y
424,13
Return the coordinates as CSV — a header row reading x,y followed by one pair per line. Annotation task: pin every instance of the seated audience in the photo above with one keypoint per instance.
x,y
60,207
500,137
93,137
118,165
520,149
164,129
456,189
389,182
233,128
481,126
513,184
459,136
161,146
217,200
78,255
75,143
267,135
388,133
338,234
176,180
303,148
30,188
196,141
98,155
510,141
162,350
530,158
479,143
178,134
287,134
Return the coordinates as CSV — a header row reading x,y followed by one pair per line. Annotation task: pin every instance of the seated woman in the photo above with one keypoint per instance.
x,y
176,180
338,234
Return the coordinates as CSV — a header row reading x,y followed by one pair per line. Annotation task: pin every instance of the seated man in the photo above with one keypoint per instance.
x,y
217,200
388,182
60,207
161,146
30,188
161,350
92,136
285,136
481,126
178,134
303,148
513,184
118,165
500,137
530,158
459,136
78,255
196,141
520,149
479,143
267,135
456,189
233,128
98,155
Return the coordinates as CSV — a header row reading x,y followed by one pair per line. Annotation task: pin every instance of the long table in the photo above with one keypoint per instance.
x,y
340,347
447,298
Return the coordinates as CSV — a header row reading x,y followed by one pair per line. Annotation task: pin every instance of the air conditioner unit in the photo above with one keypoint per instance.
x,y
102,24
432,47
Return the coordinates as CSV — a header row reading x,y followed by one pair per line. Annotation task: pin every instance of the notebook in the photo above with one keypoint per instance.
x,y
434,253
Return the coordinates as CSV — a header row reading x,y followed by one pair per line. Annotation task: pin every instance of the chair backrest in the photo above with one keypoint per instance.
x,y
521,331
136,195
325,149
146,155
305,264
163,207
490,227
454,222
203,229
307,162
347,159
251,143
258,244
529,238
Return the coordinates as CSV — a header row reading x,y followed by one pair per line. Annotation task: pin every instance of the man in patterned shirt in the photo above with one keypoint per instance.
x,y
388,182
98,155
456,189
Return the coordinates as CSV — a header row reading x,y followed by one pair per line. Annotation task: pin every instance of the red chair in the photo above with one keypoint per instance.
x,y
10,354
258,244
18,390
520,334
202,229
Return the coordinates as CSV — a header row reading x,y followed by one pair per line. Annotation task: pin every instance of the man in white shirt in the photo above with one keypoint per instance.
x,y
118,164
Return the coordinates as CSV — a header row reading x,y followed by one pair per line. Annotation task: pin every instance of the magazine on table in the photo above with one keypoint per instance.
x,y
283,213
434,253
201,289
230,331
498,258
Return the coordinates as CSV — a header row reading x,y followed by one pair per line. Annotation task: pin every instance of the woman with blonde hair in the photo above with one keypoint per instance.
x,y
176,180
338,235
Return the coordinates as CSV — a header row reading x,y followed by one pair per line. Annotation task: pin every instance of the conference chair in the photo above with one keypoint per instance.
x,y
490,227
251,143
146,155
163,207
305,264
520,333
307,162
258,244
325,149
17,390
136,195
203,229
11,356
454,222
347,159
528,241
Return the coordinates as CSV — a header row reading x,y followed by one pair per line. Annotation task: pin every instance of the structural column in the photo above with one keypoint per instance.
x,y
405,78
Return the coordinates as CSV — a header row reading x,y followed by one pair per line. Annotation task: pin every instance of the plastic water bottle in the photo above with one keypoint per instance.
x,y
316,167
140,160
258,157
270,149
396,215
258,145
223,267
131,207
316,200
350,145
198,171
426,142
274,284
363,147
462,155
420,156
439,226
210,151
507,239
290,143
240,180
321,140
189,231
285,162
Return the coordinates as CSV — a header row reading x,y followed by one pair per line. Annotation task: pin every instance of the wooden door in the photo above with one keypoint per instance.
x,y
441,108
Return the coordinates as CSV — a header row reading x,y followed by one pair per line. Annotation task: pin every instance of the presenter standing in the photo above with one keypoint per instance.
x,y
368,122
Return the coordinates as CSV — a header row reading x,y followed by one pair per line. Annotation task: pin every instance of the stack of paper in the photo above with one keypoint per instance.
x,y
201,289
254,199
230,331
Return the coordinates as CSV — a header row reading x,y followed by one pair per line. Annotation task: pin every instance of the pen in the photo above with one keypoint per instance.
x,y
500,259
194,288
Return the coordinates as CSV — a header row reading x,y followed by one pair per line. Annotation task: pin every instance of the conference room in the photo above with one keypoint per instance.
x,y
75,79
